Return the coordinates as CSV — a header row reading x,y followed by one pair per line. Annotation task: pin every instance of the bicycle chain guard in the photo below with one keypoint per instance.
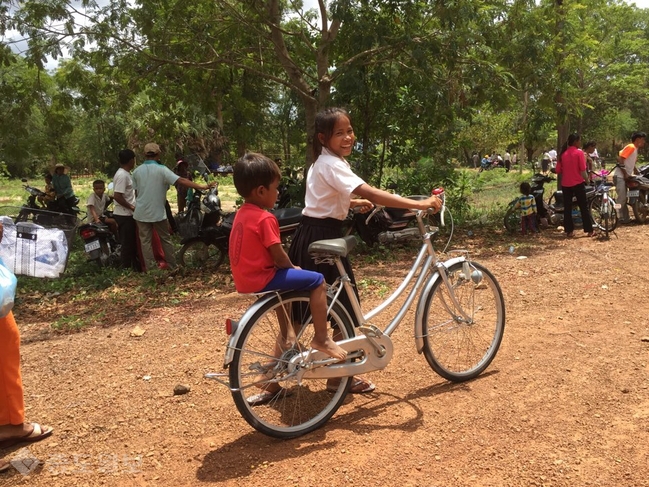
x,y
313,364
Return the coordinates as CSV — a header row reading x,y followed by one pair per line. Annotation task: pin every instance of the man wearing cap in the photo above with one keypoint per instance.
x,y
151,181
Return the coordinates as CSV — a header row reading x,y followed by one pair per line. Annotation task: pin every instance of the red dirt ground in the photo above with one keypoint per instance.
x,y
565,403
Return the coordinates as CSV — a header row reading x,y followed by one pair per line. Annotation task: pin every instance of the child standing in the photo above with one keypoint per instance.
x,y
527,206
331,189
258,260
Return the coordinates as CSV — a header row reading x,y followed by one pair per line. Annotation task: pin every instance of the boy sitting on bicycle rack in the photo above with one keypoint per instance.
x,y
258,260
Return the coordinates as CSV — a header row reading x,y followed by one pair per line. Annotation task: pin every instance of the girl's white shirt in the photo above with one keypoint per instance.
x,y
330,183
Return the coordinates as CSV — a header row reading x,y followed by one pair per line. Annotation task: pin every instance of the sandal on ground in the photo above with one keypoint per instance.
x,y
359,385
38,433
570,235
4,465
590,234
265,397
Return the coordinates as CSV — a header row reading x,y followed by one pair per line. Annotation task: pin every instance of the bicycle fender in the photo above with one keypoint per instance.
x,y
421,304
234,338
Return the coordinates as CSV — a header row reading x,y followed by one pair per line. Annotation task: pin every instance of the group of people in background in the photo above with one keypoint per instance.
x,y
575,165
141,207
495,160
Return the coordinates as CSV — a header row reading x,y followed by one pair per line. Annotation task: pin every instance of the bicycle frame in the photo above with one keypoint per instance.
x,y
375,343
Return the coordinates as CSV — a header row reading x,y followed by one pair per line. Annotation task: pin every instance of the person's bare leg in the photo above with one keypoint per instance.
x,y
321,340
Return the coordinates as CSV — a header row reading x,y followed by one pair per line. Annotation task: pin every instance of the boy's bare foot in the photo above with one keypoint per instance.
x,y
330,348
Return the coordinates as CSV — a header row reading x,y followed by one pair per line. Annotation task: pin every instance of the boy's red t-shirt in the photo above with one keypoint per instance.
x,y
253,231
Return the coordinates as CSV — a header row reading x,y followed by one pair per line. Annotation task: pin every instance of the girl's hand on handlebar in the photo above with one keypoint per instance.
x,y
362,205
434,202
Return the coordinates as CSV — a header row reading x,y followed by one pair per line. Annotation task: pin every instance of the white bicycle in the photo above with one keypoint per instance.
x,y
459,325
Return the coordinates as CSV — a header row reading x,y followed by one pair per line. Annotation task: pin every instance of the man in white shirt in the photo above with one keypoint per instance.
x,y
124,197
553,157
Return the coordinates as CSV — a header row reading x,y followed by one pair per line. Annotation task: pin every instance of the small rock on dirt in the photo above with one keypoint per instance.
x,y
137,331
181,389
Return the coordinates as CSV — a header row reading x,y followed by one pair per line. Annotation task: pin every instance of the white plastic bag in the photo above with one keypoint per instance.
x,y
8,284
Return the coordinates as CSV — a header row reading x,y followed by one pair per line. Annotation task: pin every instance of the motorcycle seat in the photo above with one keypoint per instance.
x,y
288,216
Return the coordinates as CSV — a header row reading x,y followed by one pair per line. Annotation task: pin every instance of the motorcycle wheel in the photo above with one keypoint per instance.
x,y
640,208
198,254
512,220
104,255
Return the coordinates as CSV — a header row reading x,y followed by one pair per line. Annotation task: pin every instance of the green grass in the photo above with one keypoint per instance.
x,y
491,191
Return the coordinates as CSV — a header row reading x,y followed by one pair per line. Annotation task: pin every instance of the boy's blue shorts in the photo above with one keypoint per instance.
x,y
294,280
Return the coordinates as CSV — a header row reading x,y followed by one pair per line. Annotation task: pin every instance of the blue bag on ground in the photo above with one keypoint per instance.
x,y
8,284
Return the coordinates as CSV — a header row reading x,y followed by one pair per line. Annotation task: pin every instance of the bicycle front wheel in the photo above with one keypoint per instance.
x,y
456,348
603,214
264,384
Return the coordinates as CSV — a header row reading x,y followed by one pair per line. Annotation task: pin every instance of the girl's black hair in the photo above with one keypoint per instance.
x,y
325,121
525,188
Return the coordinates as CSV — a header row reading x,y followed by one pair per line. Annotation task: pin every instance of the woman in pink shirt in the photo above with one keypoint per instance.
x,y
572,167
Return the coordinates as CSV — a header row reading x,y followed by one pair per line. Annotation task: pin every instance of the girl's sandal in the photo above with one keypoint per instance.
x,y
570,235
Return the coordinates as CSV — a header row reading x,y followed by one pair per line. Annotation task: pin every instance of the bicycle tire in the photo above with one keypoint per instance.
x,y
300,407
201,254
460,351
603,218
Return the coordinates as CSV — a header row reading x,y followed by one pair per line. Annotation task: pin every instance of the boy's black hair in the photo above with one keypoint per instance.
x,y
525,188
638,135
98,181
125,156
254,170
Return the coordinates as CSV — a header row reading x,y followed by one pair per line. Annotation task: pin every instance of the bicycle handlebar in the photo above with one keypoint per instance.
x,y
439,192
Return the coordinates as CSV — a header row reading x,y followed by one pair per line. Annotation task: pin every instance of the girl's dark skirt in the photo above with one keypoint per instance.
x,y
309,231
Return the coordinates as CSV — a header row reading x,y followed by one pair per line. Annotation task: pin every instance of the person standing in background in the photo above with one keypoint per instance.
x,y
572,168
626,160
124,196
151,181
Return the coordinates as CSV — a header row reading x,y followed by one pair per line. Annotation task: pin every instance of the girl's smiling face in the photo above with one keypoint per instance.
x,y
342,138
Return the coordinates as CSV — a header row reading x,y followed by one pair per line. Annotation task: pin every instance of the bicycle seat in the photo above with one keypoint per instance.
x,y
335,246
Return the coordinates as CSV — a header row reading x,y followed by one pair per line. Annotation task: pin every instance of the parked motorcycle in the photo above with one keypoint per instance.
x,y
100,244
56,213
384,226
638,197
206,228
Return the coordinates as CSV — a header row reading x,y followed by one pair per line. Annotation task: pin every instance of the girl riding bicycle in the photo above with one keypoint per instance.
x,y
331,189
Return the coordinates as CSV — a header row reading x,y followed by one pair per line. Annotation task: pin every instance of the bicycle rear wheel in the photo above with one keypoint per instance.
x,y
455,349
265,388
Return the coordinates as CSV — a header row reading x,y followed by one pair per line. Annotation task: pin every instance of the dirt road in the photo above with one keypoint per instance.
x,y
565,403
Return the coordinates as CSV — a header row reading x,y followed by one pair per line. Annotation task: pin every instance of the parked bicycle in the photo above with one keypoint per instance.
x,y
602,205
459,325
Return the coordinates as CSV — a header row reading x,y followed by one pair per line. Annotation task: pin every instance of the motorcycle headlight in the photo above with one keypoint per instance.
x,y
212,202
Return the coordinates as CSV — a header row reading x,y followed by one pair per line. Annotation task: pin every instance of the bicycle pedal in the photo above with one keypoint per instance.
x,y
370,331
